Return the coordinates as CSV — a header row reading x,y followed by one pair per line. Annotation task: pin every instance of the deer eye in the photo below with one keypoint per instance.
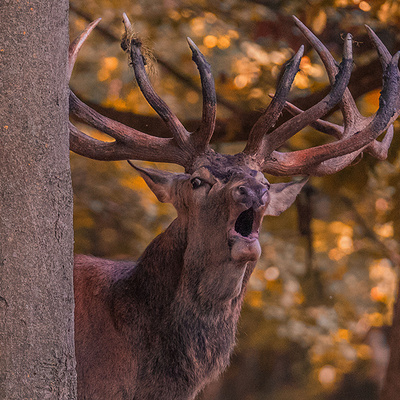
x,y
196,183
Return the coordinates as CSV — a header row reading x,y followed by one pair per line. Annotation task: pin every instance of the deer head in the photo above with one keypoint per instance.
x,y
221,199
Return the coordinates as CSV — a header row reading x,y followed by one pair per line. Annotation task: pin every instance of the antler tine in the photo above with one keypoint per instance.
x,y
160,150
179,132
376,149
320,125
76,45
348,106
383,52
331,65
331,157
280,135
353,120
269,118
202,136
284,164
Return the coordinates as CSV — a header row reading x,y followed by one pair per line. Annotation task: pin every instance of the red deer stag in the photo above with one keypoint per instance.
x,y
164,326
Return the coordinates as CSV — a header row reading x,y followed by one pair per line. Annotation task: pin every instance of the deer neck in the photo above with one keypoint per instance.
x,y
175,266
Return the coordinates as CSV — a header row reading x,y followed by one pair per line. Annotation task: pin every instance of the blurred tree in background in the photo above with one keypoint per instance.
x,y
318,304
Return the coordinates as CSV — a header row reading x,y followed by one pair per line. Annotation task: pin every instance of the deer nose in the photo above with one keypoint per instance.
x,y
251,196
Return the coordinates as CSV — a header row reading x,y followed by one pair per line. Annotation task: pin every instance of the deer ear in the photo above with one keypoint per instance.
x,y
160,182
282,196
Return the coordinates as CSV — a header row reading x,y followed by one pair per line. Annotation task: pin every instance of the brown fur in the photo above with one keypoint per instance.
x,y
163,327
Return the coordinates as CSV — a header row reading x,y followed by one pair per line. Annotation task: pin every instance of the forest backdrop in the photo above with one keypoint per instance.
x,y
319,304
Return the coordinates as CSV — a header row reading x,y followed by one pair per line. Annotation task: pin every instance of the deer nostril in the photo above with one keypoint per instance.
x,y
243,190
250,196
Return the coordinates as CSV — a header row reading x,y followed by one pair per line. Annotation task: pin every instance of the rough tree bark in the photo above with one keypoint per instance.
x,y
36,238
391,385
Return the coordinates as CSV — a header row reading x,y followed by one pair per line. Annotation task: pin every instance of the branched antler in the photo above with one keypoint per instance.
x,y
357,135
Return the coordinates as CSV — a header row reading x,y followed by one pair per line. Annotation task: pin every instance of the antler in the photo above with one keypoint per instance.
x,y
358,133
130,143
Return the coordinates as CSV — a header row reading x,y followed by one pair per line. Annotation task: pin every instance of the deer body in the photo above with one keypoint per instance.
x,y
161,328
165,326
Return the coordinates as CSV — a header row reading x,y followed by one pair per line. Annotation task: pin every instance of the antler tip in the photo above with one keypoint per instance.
x,y
127,22
192,45
76,45
348,46
296,19
300,52
395,58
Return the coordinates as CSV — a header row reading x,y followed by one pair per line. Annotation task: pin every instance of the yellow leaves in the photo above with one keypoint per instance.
x,y
301,81
327,375
314,70
382,205
308,69
384,278
319,22
233,34
134,183
86,221
343,334
248,71
174,15
210,18
241,81
217,36
198,26
388,10
221,41
254,299
192,97
341,3
271,274
376,319
345,243
210,41
385,230
377,294
364,6
364,352
224,41
137,183
109,64
371,103
338,227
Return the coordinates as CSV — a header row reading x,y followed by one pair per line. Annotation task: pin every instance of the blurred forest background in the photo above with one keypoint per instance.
x,y
319,304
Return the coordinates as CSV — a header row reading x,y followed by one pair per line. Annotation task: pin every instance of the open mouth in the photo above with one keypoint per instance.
x,y
244,223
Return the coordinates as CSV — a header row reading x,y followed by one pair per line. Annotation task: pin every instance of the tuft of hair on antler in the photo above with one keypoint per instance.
x,y
131,36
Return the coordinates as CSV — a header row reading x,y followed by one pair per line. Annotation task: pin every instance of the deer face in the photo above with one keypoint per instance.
x,y
221,205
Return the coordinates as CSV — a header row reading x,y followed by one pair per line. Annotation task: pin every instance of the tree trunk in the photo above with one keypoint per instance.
x,y
36,238
391,385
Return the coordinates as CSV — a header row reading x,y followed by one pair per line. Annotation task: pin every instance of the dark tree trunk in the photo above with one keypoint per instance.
x,y
391,385
36,294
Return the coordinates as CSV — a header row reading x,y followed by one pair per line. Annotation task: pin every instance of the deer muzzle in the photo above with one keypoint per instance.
x,y
247,214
